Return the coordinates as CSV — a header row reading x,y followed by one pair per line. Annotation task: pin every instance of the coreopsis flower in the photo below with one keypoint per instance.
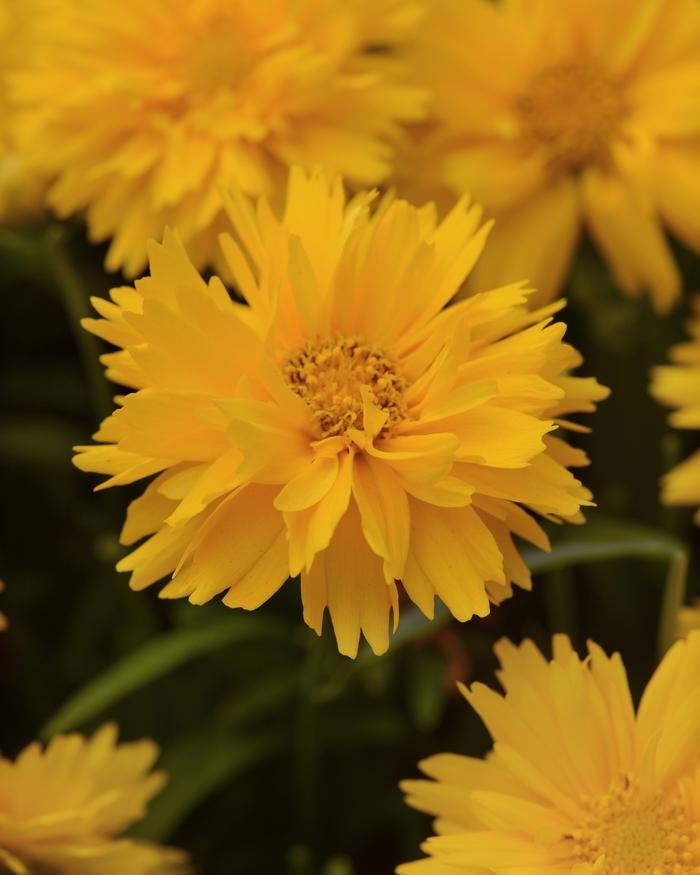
x,y
63,809
141,132
22,189
678,385
565,116
576,783
343,425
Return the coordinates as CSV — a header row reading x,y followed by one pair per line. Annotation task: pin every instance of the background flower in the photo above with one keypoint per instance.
x,y
143,133
678,386
22,190
575,781
344,427
559,116
63,808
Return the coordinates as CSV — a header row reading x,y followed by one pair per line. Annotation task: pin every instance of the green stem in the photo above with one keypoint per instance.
x,y
675,588
75,297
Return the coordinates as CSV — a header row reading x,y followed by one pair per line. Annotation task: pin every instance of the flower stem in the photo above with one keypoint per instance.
x,y
75,297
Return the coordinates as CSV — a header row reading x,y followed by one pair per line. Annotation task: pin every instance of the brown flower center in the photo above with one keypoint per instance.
x,y
328,375
574,111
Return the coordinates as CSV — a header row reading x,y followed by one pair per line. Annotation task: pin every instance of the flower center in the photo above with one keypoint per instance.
x,y
636,836
218,58
574,111
329,374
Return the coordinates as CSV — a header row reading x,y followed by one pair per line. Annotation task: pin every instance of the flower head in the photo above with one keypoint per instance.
x,y
63,808
343,425
143,133
22,190
576,783
678,386
559,116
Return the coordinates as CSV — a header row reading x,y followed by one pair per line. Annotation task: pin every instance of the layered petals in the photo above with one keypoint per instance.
x,y
62,809
345,424
140,136
560,118
576,782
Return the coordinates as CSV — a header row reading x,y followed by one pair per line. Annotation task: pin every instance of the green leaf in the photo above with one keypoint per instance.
x,y
155,659
605,539
198,765
602,539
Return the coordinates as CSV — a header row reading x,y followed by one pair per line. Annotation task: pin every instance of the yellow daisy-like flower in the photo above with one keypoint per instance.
x,y
142,133
63,808
21,189
560,115
678,386
576,783
344,426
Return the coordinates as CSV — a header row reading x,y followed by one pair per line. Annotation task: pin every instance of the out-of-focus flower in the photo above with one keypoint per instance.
x,y
344,426
22,189
3,618
560,116
142,133
678,386
576,782
63,809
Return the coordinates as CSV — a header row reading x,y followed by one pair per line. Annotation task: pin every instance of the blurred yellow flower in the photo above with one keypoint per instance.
x,y
560,116
63,808
3,618
576,783
343,426
144,132
678,386
21,190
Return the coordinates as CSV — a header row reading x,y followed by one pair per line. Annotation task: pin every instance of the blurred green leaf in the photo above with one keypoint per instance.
x,y
153,660
197,766
425,689
37,440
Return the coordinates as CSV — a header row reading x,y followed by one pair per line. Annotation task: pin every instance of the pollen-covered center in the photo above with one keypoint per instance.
x,y
329,375
637,836
574,111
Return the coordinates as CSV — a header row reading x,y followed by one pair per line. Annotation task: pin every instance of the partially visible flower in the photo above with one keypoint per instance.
x,y
3,618
565,115
142,133
63,809
22,189
345,426
576,783
678,386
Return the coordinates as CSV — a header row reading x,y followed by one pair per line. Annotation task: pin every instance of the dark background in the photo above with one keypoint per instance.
x,y
285,757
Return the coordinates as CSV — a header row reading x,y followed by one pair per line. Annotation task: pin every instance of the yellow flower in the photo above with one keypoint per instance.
x,y
142,133
62,808
343,426
678,386
3,618
22,190
576,783
564,115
